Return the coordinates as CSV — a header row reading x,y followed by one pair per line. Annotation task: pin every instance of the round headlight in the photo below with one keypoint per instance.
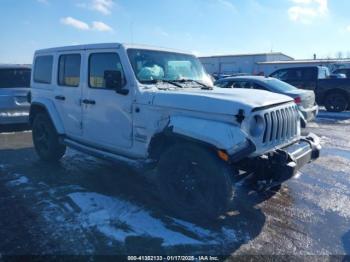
x,y
257,126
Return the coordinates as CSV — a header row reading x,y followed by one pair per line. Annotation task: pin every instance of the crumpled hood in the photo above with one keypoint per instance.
x,y
218,100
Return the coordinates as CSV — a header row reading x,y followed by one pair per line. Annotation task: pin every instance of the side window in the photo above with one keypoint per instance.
x,y
281,74
347,72
235,84
224,84
99,63
43,69
69,70
11,78
296,74
242,84
248,85
258,86
289,74
310,74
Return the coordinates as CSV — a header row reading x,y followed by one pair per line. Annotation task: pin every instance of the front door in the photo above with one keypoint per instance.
x,y
68,92
107,115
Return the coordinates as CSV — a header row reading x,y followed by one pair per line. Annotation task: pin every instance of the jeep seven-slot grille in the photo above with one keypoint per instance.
x,y
281,124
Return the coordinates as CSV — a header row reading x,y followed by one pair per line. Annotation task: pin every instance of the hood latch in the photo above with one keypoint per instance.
x,y
240,116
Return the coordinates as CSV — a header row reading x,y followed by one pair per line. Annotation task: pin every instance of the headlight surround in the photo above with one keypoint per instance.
x,y
257,126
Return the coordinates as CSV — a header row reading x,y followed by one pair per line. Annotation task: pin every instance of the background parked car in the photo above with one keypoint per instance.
x,y
221,76
333,93
14,87
305,99
302,77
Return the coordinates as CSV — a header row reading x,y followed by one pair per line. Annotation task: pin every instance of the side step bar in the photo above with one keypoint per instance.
x,y
137,164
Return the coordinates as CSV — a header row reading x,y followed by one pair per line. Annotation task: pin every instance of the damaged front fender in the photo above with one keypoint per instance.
x,y
223,136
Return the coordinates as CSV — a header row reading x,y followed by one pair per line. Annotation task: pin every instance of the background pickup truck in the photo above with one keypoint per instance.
x,y
333,93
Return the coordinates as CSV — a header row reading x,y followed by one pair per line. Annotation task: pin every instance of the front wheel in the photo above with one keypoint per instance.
x,y
336,102
194,183
46,139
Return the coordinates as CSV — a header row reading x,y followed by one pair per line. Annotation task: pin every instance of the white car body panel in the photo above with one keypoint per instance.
x,y
218,100
222,135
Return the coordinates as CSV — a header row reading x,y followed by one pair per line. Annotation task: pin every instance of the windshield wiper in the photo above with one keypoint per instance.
x,y
204,86
157,81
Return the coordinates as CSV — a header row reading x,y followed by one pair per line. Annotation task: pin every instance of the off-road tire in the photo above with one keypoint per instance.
x,y
46,139
194,184
336,102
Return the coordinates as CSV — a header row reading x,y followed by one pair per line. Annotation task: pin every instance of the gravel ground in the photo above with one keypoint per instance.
x,y
85,206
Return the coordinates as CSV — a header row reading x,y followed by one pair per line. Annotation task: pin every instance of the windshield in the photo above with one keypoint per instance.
x,y
150,66
11,78
279,85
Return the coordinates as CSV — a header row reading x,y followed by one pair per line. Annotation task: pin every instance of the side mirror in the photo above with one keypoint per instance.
x,y
113,80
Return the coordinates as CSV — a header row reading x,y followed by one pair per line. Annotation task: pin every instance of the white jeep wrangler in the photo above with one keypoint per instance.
x,y
156,107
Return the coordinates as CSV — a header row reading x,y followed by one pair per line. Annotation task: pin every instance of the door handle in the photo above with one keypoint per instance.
x,y
62,98
89,102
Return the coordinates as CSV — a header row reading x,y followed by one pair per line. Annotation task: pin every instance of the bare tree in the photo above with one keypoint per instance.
x,y
339,55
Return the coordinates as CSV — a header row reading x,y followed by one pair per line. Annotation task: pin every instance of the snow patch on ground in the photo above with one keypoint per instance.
x,y
313,124
119,219
337,152
332,201
19,181
71,209
325,140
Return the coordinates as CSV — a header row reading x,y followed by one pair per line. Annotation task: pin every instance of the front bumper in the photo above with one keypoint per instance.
x,y
283,164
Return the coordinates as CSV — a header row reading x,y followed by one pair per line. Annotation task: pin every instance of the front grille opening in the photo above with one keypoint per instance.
x,y
284,124
278,133
272,125
266,127
280,125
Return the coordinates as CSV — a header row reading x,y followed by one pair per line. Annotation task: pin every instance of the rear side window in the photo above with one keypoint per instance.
x,y
222,84
69,70
287,74
280,74
258,86
343,71
99,63
242,84
11,78
310,74
43,69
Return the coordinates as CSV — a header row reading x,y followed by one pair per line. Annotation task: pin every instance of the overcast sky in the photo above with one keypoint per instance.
x,y
298,28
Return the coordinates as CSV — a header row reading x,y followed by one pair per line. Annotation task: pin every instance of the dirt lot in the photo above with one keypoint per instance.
x,y
88,206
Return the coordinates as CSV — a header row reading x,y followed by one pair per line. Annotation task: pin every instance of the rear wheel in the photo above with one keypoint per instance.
x,y
336,102
46,139
194,183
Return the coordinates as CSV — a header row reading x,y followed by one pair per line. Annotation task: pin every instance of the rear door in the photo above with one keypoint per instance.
x,y
68,91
